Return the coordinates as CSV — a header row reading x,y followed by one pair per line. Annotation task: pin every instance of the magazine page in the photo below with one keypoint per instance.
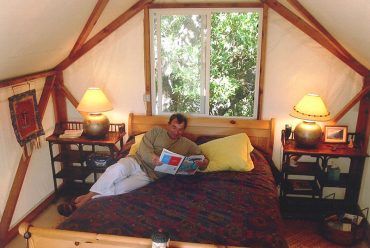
x,y
188,165
171,162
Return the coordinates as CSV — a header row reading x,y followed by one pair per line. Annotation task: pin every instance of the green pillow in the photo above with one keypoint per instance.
x,y
231,153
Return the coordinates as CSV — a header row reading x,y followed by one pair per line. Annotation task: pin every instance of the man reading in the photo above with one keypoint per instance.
x,y
136,171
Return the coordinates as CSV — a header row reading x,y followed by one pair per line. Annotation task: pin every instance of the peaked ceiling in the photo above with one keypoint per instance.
x,y
38,34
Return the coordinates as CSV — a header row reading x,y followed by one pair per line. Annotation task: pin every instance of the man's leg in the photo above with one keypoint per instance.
x,y
113,180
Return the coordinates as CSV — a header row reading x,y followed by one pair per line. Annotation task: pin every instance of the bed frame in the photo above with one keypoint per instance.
x,y
260,132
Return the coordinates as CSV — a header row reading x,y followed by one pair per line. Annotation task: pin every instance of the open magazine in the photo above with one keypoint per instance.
x,y
174,163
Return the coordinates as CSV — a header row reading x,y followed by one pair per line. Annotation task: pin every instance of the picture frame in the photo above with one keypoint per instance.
x,y
335,134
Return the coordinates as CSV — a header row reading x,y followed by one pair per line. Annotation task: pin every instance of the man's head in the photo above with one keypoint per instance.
x,y
176,125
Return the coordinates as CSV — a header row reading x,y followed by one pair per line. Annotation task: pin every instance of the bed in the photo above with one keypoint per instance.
x,y
215,209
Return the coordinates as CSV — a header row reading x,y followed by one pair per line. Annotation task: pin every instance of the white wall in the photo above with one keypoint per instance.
x,y
38,182
116,65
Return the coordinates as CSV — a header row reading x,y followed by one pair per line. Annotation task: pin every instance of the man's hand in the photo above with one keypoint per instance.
x,y
202,164
155,160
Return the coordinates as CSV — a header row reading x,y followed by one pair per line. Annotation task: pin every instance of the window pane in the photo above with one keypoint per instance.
x,y
234,46
181,53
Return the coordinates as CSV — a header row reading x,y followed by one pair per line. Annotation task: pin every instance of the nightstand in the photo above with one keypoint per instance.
x,y
72,154
312,178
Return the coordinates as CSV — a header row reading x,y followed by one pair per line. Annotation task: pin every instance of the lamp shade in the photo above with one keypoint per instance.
x,y
94,101
311,108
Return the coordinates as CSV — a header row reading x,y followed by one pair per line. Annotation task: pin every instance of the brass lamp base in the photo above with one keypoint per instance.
x,y
307,134
96,126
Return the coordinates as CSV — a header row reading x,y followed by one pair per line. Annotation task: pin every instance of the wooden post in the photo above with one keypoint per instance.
x,y
262,61
147,66
59,99
16,188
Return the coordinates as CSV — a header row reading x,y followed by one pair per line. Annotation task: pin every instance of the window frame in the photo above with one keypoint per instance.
x,y
206,58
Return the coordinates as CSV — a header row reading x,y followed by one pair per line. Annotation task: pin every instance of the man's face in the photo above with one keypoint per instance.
x,y
175,129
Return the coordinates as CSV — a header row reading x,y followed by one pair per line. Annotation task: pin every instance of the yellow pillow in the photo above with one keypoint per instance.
x,y
231,153
136,145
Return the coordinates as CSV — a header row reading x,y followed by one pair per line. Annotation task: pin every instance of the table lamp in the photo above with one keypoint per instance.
x,y
310,108
96,124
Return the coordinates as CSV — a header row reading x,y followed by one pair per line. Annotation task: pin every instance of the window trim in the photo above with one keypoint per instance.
x,y
239,7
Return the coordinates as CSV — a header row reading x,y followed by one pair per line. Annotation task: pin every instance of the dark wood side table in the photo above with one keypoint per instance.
x,y
351,181
73,156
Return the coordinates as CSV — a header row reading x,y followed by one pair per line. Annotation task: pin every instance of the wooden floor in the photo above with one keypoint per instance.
x,y
47,219
299,234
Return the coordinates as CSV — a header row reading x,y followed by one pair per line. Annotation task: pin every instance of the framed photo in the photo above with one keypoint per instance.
x,y
335,134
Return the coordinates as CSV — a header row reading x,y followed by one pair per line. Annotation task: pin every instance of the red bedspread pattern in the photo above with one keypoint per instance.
x,y
224,208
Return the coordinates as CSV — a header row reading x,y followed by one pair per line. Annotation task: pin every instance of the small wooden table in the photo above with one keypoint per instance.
x,y
73,160
351,181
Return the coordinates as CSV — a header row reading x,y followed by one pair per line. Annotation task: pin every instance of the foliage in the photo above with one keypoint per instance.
x,y
234,40
233,61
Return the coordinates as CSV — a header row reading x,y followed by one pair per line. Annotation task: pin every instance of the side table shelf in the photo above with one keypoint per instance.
x,y
74,170
72,156
307,183
74,173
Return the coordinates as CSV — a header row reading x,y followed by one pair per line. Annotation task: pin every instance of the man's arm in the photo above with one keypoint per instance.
x,y
146,148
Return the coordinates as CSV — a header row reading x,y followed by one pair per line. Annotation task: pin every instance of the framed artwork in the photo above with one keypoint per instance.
x,y
335,134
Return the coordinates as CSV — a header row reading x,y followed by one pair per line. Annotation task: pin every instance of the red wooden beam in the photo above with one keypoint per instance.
x,y
118,22
315,34
321,28
24,78
94,17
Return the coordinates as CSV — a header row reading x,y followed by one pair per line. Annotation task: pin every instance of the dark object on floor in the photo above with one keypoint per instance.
x,y
66,209
344,229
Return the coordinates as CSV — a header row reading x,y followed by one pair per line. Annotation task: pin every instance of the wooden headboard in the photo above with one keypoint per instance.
x,y
260,132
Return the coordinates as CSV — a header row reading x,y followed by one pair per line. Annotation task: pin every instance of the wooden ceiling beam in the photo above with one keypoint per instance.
x,y
93,19
45,95
299,7
351,103
25,78
315,34
72,99
96,39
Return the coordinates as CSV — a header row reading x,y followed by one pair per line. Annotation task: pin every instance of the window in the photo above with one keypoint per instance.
x,y
205,61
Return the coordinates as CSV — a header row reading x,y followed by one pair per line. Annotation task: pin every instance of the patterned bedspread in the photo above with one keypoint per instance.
x,y
224,208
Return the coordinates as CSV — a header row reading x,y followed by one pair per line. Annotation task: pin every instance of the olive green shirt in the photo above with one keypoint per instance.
x,y
153,142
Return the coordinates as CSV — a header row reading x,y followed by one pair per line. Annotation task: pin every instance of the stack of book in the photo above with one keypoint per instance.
x,y
71,133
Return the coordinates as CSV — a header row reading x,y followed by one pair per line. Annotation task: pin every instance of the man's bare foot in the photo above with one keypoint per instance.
x,y
82,199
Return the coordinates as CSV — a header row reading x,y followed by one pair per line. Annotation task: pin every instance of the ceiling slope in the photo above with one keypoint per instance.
x,y
37,36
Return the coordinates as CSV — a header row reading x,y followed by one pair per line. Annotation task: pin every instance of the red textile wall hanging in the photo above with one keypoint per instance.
x,y
25,117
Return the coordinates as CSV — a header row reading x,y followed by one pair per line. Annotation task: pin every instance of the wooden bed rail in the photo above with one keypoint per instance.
x,y
260,132
46,238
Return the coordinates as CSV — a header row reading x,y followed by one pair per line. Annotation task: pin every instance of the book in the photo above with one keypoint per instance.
x,y
174,163
71,133
301,185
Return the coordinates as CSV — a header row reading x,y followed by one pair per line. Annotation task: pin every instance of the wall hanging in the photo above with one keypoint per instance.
x,y
25,118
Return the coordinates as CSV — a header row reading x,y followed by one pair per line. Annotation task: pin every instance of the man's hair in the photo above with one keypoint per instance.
x,y
180,119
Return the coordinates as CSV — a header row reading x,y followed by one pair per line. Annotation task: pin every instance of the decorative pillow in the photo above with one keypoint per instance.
x,y
136,145
231,153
